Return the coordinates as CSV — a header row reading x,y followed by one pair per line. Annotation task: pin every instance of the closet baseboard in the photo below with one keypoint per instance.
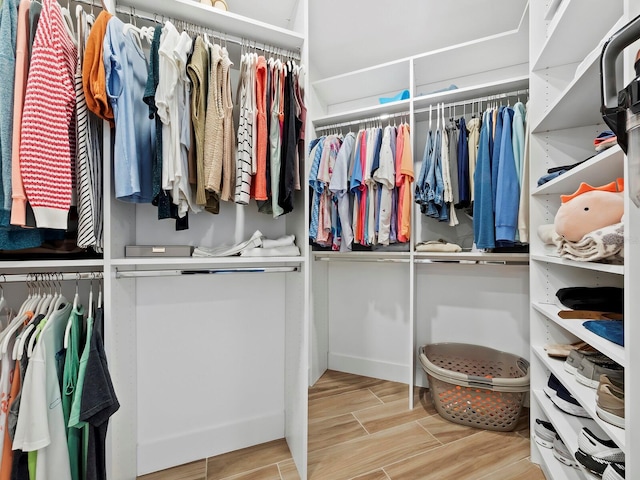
x,y
195,445
368,367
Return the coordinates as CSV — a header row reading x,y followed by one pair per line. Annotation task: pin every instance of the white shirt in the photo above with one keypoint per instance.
x,y
386,175
41,421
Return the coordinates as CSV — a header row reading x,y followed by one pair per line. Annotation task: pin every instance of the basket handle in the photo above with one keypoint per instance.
x,y
476,381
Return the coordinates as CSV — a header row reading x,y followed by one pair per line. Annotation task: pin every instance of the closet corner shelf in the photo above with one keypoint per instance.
x,y
375,81
600,267
578,105
202,262
605,166
475,257
567,426
579,23
221,21
33,265
363,113
475,91
376,256
574,326
585,395
552,468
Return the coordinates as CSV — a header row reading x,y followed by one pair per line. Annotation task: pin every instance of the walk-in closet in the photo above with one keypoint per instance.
x,y
243,240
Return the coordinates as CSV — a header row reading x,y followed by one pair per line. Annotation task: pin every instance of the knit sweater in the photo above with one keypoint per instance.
x,y
48,130
8,28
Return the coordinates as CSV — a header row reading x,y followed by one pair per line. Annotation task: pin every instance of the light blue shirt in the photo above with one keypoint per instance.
x,y
126,78
483,218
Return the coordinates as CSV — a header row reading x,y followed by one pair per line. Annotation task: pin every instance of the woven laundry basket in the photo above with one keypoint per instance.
x,y
476,386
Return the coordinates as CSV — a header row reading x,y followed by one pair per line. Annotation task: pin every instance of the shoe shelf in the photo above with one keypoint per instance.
x,y
575,29
604,167
613,351
567,426
552,468
600,267
585,395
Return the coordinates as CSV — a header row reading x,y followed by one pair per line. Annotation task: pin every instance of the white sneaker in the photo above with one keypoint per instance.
x,y
598,447
544,433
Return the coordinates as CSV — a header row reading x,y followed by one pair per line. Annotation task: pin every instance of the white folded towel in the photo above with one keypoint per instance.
x,y
603,244
228,251
286,251
284,241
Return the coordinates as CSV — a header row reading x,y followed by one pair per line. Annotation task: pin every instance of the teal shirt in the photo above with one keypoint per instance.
x,y
69,387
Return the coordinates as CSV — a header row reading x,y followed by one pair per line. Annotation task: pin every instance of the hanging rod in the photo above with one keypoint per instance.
x,y
204,271
384,116
471,101
50,276
224,37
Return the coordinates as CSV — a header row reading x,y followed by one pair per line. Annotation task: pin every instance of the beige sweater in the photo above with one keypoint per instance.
x,y
228,151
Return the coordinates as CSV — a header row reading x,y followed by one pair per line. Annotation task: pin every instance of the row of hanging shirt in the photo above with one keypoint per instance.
x,y
175,139
46,156
56,390
480,166
361,187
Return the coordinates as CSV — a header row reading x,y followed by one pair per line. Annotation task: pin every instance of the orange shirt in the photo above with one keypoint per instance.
x,y
93,74
405,197
259,183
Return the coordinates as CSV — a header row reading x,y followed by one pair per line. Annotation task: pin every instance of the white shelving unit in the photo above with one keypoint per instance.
x,y
207,333
565,89
394,299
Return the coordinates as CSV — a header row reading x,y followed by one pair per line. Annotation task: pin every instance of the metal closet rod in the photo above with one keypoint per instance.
x,y
485,99
49,276
201,271
224,37
379,118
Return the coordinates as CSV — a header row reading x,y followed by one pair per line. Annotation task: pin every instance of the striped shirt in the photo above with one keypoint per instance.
x,y
245,129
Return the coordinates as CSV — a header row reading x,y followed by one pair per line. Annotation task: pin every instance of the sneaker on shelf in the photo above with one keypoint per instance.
x,y
604,448
544,433
594,464
615,471
562,453
562,399
572,362
562,350
613,382
610,403
590,369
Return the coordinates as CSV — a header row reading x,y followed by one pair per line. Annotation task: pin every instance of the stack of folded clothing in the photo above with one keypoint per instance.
x,y
282,247
605,140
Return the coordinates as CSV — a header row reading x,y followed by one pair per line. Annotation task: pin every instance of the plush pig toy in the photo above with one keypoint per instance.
x,y
589,209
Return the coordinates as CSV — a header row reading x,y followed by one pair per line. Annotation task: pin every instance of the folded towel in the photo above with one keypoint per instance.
x,y
284,241
603,244
438,246
286,251
548,235
230,250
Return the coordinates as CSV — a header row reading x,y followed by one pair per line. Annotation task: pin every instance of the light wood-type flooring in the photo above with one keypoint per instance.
x,y
360,428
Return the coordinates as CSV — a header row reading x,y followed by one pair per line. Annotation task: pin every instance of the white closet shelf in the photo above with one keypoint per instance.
x,y
551,9
574,25
435,257
613,351
225,22
600,267
552,468
363,113
476,91
578,105
594,171
7,266
585,395
374,256
195,262
381,80
567,426
462,60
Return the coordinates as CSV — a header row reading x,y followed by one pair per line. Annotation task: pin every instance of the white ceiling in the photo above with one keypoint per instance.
x,y
354,34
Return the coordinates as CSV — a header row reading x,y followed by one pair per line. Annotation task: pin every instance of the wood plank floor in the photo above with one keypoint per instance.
x,y
360,428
